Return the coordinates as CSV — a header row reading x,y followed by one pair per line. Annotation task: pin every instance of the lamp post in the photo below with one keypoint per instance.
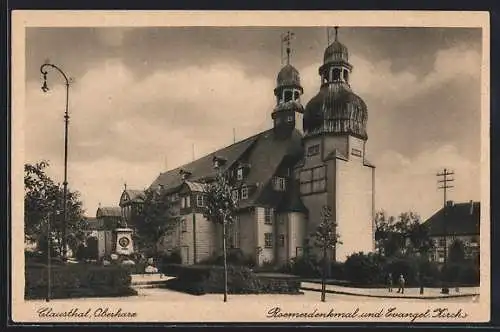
x,y
44,70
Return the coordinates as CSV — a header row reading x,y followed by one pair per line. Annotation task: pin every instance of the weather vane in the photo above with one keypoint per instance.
x,y
285,45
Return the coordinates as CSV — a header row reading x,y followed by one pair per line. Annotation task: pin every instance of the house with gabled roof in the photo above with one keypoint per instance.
x,y
313,156
455,221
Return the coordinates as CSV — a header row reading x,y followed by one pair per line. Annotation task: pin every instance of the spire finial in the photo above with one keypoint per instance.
x,y
336,33
125,186
285,40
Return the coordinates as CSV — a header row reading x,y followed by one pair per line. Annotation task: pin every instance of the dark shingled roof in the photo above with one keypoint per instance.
x,y
203,167
463,219
265,153
135,195
292,201
109,211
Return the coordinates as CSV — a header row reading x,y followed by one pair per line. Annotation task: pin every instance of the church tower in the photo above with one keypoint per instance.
x,y
287,113
335,171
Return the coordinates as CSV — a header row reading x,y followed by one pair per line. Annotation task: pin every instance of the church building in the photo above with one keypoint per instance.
x,y
313,156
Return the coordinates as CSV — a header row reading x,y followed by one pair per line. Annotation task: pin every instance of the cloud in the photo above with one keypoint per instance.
x,y
126,128
404,183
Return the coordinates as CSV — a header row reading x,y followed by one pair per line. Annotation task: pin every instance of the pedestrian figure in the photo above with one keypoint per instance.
x,y
389,282
401,282
420,283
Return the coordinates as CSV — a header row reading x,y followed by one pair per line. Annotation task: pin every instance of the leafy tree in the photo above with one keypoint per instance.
x,y
456,254
221,210
154,220
405,234
388,241
326,238
43,203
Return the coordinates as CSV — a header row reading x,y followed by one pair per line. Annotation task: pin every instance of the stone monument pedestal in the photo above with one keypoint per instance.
x,y
124,244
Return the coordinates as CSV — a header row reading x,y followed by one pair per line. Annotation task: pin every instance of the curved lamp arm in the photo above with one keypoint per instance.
x,y
44,70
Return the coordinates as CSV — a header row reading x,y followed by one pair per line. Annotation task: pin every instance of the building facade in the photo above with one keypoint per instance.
x,y
456,221
313,156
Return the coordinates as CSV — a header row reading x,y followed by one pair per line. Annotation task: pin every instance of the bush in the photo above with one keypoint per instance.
x,y
234,257
173,257
77,280
365,268
203,279
465,274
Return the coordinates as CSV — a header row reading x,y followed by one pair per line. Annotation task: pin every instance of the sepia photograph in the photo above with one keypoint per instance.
x,y
297,167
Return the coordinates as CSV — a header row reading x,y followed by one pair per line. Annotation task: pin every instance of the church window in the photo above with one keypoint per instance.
x,y
281,240
279,183
239,173
288,95
313,150
244,192
268,240
296,95
336,74
268,216
200,200
183,225
346,75
186,202
313,180
356,152
234,195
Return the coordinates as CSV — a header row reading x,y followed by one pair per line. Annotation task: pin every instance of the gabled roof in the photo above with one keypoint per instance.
x,y
135,195
264,151
109,211
203,168
461,219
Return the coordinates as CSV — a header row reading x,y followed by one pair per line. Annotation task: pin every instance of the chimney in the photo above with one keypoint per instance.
x,y
449,203
471,207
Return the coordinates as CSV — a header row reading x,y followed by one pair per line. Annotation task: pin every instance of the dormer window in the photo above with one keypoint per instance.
x,y
244,192
218,161
239,173
279,183
184,174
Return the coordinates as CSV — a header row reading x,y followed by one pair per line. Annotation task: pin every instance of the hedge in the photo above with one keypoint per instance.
x,y
205,279
77,280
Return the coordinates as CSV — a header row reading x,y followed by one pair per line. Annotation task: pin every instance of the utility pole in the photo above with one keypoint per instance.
x,y
444,184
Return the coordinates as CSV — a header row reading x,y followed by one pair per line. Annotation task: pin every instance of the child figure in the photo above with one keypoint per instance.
x,y
389,282
401,288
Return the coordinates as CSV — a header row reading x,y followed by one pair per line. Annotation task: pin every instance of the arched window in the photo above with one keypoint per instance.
x,y
288,95
296,95
336,74
346,75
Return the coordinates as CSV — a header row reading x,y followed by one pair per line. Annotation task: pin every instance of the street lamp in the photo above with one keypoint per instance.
x,y
44,70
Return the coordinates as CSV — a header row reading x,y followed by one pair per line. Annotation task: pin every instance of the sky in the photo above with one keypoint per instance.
x,y
142,98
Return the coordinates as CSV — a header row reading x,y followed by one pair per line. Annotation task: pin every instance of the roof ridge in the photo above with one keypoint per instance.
x,y
254,137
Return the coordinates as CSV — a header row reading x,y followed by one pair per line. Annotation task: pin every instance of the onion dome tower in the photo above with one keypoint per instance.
x,y
288,90
336,109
